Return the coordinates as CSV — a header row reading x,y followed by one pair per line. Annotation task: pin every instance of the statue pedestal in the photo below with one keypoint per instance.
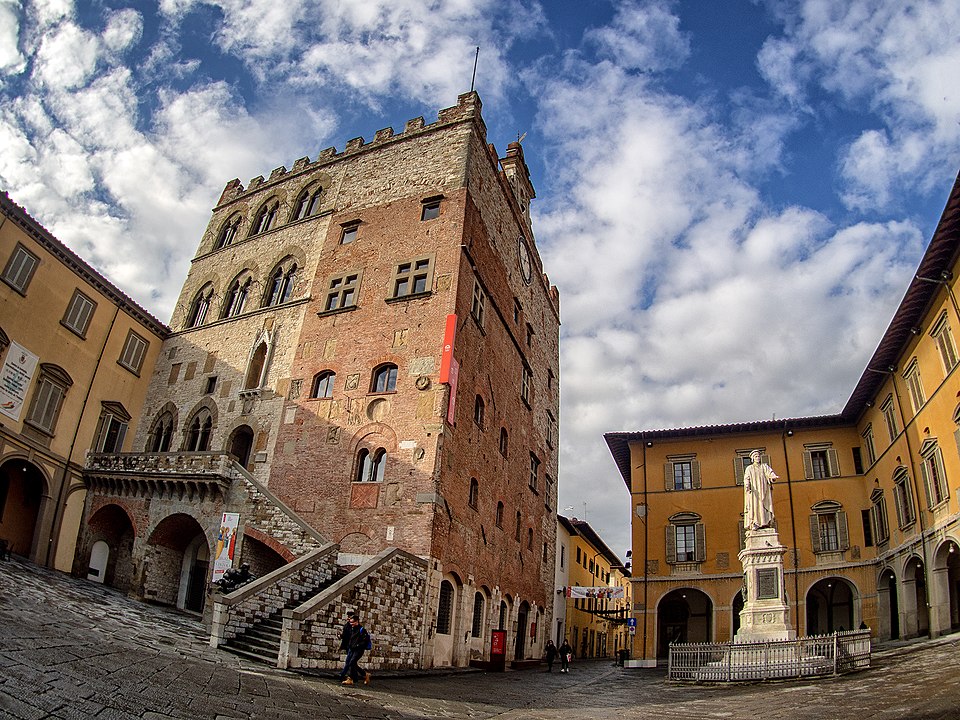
x,y
765,615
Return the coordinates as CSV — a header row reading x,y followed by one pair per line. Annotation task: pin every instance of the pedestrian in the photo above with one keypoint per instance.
x,y
551,655
566,654
359,644
345,645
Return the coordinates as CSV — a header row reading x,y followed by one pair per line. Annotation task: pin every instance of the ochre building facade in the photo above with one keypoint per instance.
x,y
866,501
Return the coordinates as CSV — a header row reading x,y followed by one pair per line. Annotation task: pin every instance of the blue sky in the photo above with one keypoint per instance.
x,y
732,196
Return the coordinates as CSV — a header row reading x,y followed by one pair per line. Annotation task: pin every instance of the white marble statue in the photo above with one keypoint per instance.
x,y
758,481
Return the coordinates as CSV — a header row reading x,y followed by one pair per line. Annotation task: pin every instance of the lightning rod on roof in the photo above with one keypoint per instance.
x,y
474,78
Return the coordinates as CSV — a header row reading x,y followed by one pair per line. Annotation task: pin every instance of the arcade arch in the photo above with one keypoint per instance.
x,y
684,615
23,490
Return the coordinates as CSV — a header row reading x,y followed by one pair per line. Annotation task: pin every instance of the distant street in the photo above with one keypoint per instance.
x,y
72,649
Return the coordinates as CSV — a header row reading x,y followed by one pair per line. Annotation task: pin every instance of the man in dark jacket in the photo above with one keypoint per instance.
x,y
345,644
359,643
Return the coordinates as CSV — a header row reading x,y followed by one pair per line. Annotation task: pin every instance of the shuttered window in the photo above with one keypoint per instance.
x,y
79,312
828,528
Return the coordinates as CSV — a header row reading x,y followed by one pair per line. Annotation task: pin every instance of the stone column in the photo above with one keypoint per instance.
x,y
765,615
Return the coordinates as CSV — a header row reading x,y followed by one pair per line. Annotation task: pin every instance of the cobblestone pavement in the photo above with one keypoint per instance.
x,y
73,649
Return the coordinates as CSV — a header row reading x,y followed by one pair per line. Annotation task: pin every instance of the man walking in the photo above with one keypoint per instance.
x,y
345,645
359,643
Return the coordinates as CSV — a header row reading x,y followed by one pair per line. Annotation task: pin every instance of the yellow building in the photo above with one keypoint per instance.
x,y
75,358
592,622
866,501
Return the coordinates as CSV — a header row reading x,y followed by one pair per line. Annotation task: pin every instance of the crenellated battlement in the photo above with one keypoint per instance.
x,y
467,108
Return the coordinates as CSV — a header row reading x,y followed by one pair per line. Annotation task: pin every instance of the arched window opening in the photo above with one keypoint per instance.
x,y
384,379
517,528
474,493
371,465
323,384
228,232
199,307
254,377
236,298
478,409
161,433
504,441
266,217
499,518
445,608
478,604
282,284
308,203
198,437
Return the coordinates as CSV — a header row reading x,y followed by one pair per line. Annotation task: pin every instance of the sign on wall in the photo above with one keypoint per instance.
x,y
602,592
18,369
226,544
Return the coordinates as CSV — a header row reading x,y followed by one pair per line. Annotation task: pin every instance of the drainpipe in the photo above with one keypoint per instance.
x,y
58,510
646,548
793,530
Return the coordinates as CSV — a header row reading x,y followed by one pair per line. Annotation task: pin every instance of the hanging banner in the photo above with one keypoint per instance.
x,y
15,376
226,544
446,357
602,592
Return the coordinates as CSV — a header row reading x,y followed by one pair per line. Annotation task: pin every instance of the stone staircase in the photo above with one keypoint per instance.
x,y
261,641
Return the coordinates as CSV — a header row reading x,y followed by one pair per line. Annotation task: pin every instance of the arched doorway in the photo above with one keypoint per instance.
x,y
110,526
945,593
519,648
22,488
916,616
446,625
177,563
240,444
683,616
737,609
830,606
889,606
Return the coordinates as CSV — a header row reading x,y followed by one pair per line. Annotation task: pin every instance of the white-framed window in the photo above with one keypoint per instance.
x,y
934,476
342,292
828,527
890,417
681,472
266,217
820,461
200,306
51,389
686,539
228,233
236,297
134,351
911,377
878,513
79,313
526,381
478,304
111,428
943,335
20,268
534,473
903,497
868,445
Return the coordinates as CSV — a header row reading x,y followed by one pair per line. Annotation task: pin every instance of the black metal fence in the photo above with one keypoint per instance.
x,y
834,654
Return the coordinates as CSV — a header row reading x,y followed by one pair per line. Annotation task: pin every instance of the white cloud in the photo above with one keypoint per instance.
x,y
896,60
124,28
67,57
642,36
12,61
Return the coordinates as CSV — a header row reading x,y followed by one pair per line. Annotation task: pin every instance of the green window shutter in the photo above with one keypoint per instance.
x,y
738,470
700,536
956,438
743,535
671,544
843,537
668,476
695,473
833,462
815,533
807,465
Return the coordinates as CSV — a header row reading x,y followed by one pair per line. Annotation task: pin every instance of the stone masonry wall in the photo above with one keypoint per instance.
x,y
387,593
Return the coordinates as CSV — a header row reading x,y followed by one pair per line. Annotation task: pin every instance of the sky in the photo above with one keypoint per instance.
x,y
731,196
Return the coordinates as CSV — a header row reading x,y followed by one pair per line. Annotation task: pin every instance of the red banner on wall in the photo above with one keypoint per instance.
x,y
446,359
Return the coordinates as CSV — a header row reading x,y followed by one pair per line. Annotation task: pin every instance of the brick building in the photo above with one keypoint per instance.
x,y
866,501
367,346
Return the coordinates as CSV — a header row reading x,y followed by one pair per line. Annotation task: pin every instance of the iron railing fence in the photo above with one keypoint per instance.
x,y
841,652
